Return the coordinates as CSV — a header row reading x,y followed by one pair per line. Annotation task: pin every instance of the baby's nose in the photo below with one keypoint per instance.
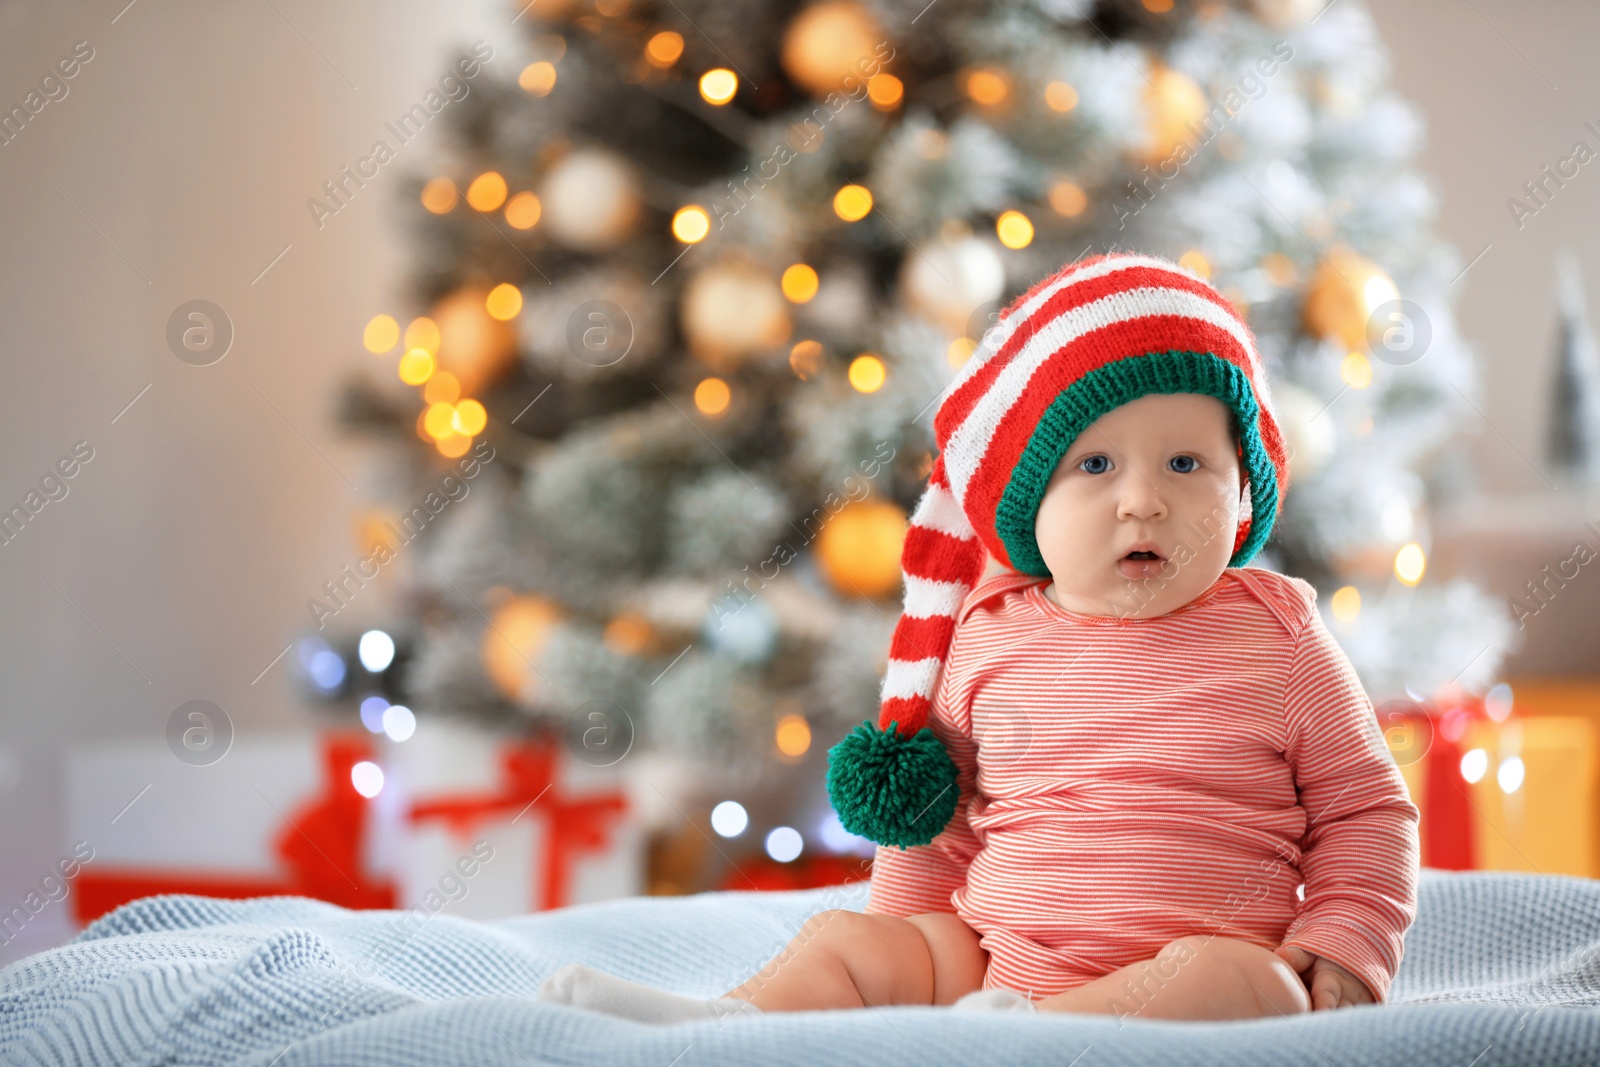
x,y
1140,497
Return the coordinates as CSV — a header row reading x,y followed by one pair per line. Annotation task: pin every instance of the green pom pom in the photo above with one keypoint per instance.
x,y
891,789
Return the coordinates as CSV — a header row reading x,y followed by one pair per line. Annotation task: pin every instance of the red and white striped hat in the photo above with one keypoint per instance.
x,y
1091,337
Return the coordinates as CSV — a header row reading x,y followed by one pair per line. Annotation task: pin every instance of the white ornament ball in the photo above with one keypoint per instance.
x,y
1307,429
744,630
591,200
732,311
951,279
829,42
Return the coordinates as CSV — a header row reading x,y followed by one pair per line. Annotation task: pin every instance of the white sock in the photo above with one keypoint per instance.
x,y
582,986
997,999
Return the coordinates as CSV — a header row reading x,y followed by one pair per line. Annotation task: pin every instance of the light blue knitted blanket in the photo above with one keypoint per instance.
x,y
1499,969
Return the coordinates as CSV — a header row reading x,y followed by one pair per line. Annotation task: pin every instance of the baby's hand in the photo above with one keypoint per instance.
x,y
1330,985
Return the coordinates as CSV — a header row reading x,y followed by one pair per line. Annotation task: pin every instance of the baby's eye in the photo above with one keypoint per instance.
x,y
1183,464
1100,463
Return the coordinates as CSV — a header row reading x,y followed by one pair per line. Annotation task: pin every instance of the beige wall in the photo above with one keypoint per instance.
x,y
1505,89
1505,92
191,541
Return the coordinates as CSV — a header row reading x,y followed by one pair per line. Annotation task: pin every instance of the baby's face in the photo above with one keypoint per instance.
x,y
1159,473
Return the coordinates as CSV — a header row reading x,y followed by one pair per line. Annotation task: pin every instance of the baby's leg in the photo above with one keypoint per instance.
x,y
848,959
1197,977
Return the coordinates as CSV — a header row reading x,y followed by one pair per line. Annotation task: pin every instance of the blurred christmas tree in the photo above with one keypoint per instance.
x,y
698,273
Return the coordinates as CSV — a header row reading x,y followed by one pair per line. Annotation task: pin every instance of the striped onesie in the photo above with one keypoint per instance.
x,y
1125,781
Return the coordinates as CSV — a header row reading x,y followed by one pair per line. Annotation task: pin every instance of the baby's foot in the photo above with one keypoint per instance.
x,y
585,987
997,999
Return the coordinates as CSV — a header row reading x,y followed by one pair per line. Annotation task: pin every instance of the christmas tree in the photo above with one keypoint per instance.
x,y
693,274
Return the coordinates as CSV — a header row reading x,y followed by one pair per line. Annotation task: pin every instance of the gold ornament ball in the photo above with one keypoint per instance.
x,y
473,345
1172,103
629,634
732,311
952,279
516,635
829,42
591,200
859,548
1344,291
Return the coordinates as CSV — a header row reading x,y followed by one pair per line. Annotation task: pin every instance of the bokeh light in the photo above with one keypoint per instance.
x,y
442,388
1196,261
729,818
1497,702
1014,229
718,86
1410,563
1068,199
805,359
523,211
416,366
322,665
470,418
375,650
504,302
784,844
538,78
1059,96
793,735
959,352
422,332
367,777
440,420
867,373
382,333
885,91
852,202
1356,370
691,224
800,283
372,709
987,87
712,396
439,195
664,48
487,191
1510,774
399,722
454,445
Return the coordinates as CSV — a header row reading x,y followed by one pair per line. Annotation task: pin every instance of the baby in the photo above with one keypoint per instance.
x,y
1115,770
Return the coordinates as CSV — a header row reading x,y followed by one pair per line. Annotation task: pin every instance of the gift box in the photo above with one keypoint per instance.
x,y
1546,697
1497,789
561,830
269,816
453,818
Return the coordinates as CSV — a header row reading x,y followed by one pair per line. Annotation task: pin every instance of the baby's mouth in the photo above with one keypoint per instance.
x,y
1141,564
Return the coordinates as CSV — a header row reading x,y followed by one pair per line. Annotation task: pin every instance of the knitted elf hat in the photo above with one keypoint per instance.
x,y
1091,337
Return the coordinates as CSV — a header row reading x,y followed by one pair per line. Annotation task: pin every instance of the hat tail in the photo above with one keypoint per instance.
x,y
895,784
941,562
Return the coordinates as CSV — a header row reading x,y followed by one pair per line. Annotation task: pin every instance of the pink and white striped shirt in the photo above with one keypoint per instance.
x,y
1128,781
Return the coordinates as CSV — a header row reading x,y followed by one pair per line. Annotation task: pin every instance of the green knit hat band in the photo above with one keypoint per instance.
x,y
1106,388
